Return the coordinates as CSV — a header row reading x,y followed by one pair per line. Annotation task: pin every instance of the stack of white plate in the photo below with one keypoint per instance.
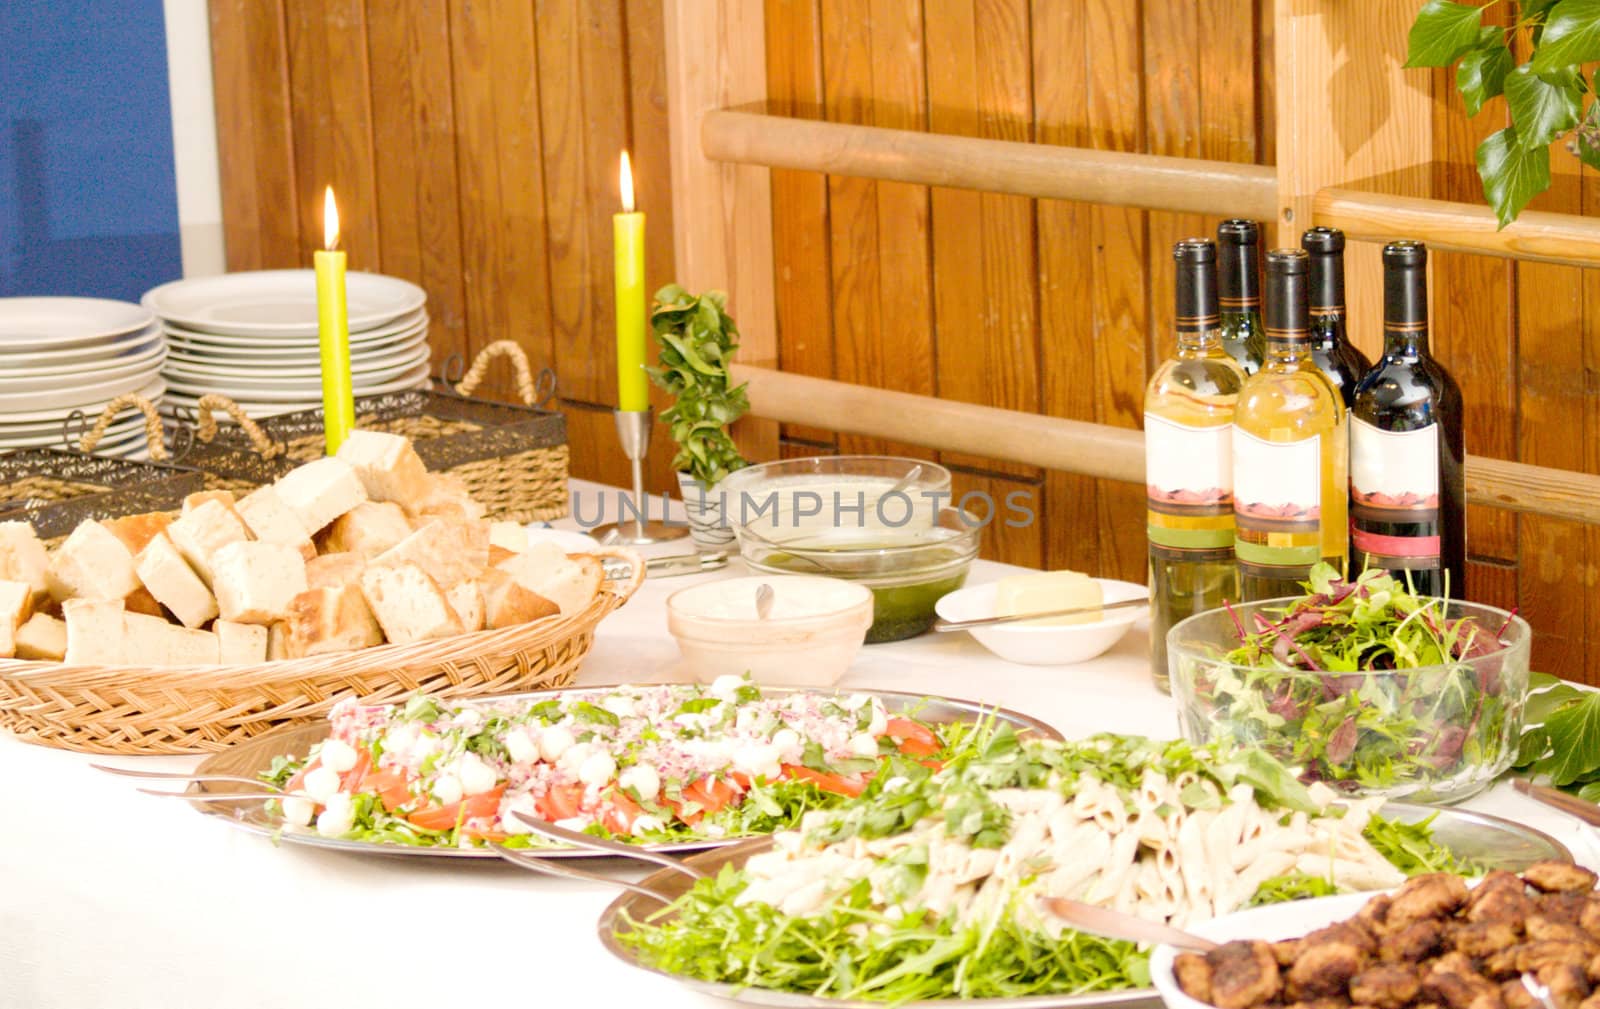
x,y
62,355
253,338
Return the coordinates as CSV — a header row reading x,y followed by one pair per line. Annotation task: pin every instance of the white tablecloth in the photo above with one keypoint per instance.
x,y
113,899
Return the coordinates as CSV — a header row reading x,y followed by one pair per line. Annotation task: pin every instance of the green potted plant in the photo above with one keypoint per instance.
x,y
1546,95
697,340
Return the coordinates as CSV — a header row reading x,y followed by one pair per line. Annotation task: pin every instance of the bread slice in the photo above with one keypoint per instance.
x,y
94,632
198,498
449,550
328,620
446,497
174,584
16,604
136,531
570,582
255,581
240,644
321,491
388,466
42,638
368,529
151,641
277,641
409,604
466,598
507,603
92,564
206,529
22,557
512,536
272,521
330,571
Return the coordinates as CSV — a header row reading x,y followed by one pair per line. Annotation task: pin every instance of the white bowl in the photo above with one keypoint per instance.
x,y
1274,922
815,628
1047,644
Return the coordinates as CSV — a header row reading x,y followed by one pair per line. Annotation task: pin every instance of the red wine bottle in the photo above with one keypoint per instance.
x,y
1406,493
1330,344
1239,293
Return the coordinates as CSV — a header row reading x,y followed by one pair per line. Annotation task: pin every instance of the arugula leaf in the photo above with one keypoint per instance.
x,y
1543,105
421,709
1482,72
1571,36
1512,175
1442,32
1574,733
1293,886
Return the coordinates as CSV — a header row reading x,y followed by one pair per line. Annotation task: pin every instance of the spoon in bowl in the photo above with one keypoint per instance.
x,y
764,598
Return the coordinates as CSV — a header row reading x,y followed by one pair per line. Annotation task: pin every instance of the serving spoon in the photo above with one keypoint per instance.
x,y
1015,618
1117,925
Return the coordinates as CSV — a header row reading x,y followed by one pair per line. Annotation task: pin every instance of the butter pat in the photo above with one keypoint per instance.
x,y
1049,590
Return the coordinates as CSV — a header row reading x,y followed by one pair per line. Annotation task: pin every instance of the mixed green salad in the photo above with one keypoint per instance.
x,y
1364,685
927,885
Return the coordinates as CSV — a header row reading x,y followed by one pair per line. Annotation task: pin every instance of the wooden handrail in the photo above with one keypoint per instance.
x,y
1461,227
1097,450
1187,185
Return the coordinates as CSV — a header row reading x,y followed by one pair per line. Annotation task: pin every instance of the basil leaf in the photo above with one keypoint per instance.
x,y
1571,36
1442,32
1512,175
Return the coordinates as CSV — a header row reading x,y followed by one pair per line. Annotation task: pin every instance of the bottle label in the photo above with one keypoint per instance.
x,y
1189,483
1277,501
1394,495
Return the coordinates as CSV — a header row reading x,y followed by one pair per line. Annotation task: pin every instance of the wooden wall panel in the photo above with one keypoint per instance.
x,y
473,148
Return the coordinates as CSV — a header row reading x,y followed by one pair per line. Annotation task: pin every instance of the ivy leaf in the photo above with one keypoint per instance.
x,y
1442,32
1512,175
1574,741
1482,73
1543,106
1542,703
1571,36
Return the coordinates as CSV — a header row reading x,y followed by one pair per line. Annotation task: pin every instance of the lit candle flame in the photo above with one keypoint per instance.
x,y
627,184
330,221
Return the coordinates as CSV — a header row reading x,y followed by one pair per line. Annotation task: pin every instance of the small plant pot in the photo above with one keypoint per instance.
x,y
708,525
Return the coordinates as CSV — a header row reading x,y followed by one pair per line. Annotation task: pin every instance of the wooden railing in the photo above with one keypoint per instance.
x,y
751,137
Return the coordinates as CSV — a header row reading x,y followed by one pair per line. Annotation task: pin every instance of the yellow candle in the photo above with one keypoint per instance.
x,y
333,332
627,230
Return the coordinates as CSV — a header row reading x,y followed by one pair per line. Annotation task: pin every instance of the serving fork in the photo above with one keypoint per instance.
x,y
265,790
1117,925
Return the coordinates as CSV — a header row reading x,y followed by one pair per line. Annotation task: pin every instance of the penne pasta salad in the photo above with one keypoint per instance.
x,y
928,886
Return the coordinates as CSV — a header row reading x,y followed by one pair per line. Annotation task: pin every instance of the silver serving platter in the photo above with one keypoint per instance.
x,y
254,757
1489,840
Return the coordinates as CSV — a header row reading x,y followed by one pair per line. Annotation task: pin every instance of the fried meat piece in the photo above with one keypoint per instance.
x,y
1414,943
1375,912
1591,970
1592,1002
1325,965
1555,877
1243,974
1567,983
1589,915
1516,996
1566,906
1194,975
1536,956
1500,897
1459,990
1385,986
1541,928
1331,1002
1431,896
1286,950
1485,938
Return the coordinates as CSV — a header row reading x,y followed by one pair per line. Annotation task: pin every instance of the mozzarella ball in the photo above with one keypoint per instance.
x,y
321,783
645,823
520,746
512,805
337,816
726,686
470,719
555,741
759,760
620,705
476,776
880,719
447,789
642,779
297,809
787,742
597,769
864,744
338,755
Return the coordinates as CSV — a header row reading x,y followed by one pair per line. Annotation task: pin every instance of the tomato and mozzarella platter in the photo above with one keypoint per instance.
x,y
647,764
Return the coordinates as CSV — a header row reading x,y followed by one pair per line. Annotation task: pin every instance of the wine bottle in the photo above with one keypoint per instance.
x,y
1239,292
1406,451
1289,450
1330,344
1188,417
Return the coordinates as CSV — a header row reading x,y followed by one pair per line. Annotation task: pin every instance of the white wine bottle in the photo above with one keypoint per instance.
x,y
1188,432
1289,450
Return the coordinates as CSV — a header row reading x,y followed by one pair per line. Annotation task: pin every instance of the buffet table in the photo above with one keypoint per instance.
x,y
112,898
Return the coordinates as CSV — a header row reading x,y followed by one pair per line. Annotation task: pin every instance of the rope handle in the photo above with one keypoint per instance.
x,y
519,360
152,425
207,424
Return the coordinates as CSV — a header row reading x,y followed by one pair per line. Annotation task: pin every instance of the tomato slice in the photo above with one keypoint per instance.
x,y
621,813
560,802
836,783
484,804
913,739
742,781
392,786
298,779
711,794
495,836
933,765
350,781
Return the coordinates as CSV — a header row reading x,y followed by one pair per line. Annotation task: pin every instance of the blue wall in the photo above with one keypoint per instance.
x,y
88,202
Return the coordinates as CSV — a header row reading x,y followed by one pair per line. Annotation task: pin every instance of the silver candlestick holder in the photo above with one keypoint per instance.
x,y
633,430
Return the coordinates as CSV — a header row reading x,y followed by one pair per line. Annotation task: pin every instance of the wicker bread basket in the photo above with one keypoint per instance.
x,y
145,710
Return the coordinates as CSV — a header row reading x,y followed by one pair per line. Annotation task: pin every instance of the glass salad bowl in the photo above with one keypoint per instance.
x,y
1436,732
